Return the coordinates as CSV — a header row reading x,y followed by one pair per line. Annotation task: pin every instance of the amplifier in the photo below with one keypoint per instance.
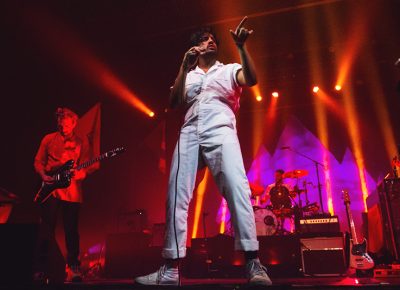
x,y
319,225
389,193
323,256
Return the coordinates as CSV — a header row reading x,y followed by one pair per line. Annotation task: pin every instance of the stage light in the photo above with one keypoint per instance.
x,y
338,87
259,98
315,89
275,94
151,114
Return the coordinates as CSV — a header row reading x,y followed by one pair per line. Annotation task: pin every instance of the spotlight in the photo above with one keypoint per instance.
x,y
338,87
275,94
151,114
259,98
315,89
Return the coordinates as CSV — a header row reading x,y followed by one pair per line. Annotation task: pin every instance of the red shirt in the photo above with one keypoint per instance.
x,y
53,152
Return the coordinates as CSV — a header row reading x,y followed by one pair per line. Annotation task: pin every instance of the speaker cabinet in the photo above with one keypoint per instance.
x,y
323,256
17,252
389,194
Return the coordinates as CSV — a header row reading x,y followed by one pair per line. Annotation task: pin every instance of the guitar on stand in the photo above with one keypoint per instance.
x,y
359,258
62,175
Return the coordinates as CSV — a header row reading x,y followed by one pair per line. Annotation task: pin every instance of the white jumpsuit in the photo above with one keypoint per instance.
x,y
208,137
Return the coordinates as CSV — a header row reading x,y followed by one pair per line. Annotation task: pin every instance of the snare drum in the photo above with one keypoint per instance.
x,y
266,221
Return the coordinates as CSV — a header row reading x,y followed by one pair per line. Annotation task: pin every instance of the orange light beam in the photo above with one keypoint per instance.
x,y
381,108
314,59
353,45
331,104
58,40
346,60
222,225
354,132
258,125
201,189
346,57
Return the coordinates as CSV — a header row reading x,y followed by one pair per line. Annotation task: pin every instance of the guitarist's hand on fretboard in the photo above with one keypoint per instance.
x,y
46,178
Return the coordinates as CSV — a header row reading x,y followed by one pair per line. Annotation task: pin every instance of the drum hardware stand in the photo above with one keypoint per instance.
x,y
280,230
317,164
306,191
300,203
208,260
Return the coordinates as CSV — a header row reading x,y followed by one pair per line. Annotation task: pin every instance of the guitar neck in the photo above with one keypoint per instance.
x,y
92,161
351,223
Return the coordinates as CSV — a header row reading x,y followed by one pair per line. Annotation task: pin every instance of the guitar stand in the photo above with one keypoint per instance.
x,y
365,275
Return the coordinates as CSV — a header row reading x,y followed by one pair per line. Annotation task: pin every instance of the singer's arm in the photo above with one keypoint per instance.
x,y
247,75
177,95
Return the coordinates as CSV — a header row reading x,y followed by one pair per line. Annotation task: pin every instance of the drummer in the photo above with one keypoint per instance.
x,y
278,176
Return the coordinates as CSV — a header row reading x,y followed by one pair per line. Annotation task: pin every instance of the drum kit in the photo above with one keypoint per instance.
x,y
270,219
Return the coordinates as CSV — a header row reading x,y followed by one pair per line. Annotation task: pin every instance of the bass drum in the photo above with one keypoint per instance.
x,y
266,222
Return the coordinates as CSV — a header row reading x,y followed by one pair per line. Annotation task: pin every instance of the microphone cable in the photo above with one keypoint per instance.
x,y
175,200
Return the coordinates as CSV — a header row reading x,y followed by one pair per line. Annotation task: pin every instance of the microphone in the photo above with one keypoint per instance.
x,y
285,147
397,62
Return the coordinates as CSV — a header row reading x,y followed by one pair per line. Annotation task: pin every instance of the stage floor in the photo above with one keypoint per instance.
x,y
235,284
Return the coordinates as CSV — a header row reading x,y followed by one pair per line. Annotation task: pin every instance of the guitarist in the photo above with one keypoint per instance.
x,y
55,149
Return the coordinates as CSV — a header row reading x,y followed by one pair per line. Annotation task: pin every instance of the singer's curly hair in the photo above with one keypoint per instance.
x,y
196,36
62,113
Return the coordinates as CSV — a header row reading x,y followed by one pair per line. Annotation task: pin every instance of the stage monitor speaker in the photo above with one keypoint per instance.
x,y
323,256
130,255
17,251
281,255
213,257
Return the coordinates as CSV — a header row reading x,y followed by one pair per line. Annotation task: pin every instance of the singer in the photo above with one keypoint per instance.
x,y
210,92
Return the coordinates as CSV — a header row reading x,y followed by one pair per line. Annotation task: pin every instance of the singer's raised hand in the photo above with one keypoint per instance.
x,y
241,33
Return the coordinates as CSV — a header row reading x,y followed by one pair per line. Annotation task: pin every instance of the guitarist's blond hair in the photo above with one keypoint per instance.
x,y
62,113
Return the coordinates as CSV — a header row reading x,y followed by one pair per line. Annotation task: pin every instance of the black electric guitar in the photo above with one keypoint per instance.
x,y
359,258
62,175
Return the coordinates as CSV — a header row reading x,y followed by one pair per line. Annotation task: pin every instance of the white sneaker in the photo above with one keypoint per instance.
x,y
164,276
257,273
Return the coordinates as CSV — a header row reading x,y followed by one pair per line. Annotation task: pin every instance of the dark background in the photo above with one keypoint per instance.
x,y
142,43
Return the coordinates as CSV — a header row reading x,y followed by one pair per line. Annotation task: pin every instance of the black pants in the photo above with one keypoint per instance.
x,y
70,215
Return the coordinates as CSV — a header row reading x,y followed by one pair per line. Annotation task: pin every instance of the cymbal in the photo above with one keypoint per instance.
x,y
298,173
